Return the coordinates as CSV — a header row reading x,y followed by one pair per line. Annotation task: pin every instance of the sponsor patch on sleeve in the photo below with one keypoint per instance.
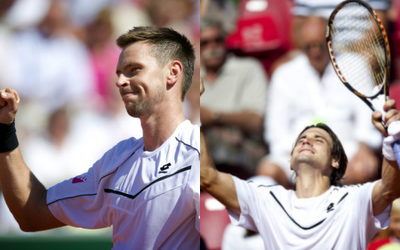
x,y
79,178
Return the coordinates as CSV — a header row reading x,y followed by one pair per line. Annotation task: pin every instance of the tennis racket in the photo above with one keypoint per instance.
x,y
359,51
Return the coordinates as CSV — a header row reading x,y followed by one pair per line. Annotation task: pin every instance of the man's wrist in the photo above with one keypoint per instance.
x,y
8,137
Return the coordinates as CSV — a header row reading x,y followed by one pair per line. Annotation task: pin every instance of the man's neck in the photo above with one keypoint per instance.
x,y
311,183
158,128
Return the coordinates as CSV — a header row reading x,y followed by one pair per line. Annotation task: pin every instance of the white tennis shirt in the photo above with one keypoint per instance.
x,y
150,198
341,218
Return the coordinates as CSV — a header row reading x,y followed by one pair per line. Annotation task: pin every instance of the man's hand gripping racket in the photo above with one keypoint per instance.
x,y
359,51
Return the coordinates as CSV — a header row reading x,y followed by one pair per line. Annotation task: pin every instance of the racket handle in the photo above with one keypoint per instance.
x,y
396,151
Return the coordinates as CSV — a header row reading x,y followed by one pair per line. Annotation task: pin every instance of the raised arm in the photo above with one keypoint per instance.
x,y
388,188
220,185
24,194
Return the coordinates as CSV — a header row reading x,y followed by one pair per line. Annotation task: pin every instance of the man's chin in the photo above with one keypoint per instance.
x,y
134,112
303,159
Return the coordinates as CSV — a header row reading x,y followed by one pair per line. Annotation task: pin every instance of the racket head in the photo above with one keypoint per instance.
x,y
359,48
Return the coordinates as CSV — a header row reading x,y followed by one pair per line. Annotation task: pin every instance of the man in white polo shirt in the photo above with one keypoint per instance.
x,y
146,188
319,214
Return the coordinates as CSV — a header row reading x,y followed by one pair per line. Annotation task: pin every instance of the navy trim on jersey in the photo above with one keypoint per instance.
x,y
107,190
108,174
344,196
116,168
187,145
304,228
70,197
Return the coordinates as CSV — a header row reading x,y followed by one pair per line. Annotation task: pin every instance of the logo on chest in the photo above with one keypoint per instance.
x,y
164,169
330,208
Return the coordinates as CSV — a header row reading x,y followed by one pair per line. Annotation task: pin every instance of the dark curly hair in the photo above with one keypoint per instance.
x,y
337,153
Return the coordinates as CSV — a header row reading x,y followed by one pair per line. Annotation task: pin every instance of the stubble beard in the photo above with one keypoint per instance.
x,y
142,107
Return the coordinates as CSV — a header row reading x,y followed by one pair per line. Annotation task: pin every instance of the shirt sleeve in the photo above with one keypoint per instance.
x,y
75,202
250,202
194,184
370,224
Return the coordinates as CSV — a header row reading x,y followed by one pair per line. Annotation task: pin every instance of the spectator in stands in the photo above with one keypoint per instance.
x,y
53,67
6,61
307,90
232,108
392,237
100,41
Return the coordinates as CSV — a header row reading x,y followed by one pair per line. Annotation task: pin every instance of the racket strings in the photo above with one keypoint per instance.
x,y
358,48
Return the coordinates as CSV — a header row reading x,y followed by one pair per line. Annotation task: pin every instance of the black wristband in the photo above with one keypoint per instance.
x,y
8,137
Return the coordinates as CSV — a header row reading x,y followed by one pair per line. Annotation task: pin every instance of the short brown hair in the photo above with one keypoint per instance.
x,y
166,45
337,153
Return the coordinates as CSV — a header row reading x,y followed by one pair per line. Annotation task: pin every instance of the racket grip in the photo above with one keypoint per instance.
x,y
396,151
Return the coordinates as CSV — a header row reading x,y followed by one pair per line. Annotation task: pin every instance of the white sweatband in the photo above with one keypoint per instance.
x,y
394,135
378,103
393,129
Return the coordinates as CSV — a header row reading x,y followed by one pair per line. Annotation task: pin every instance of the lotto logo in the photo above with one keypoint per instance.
x,y
78,179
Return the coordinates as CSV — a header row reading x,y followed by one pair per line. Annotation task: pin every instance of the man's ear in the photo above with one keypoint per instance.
x,y
335,163
174,72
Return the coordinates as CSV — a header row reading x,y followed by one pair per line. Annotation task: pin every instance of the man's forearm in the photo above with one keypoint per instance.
x,y
218,184
390,180
24,194
207,167
387,189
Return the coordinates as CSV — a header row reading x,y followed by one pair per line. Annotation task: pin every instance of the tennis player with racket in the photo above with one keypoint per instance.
x,y
318,214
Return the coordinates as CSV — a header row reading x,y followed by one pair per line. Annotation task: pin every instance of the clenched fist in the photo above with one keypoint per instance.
x,y
9,101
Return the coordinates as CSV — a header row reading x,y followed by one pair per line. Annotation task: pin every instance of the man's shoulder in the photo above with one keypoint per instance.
x,y
266,187
118,154
189,135
354,186
126,145
340,193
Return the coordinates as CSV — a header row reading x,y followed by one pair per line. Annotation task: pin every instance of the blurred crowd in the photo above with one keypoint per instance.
x,y
60,56
267,75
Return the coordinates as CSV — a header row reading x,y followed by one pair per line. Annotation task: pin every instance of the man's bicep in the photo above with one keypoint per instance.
x,y
50,221
42,218
224,190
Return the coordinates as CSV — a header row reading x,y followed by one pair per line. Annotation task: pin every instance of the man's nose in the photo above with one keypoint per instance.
x,y
122,81
307,141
